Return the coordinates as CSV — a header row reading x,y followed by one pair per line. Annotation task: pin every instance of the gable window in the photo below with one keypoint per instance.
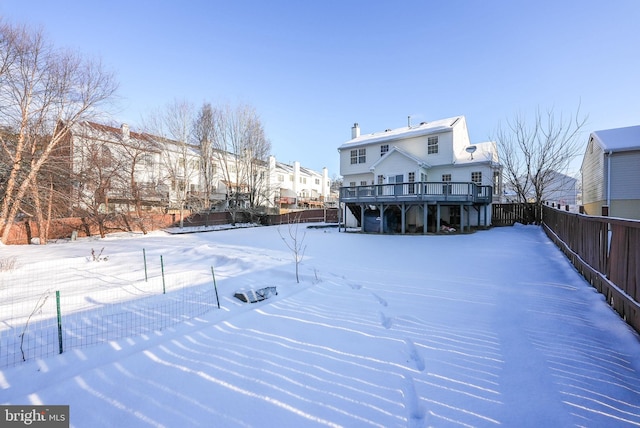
x,y
432,145
476,177
384,149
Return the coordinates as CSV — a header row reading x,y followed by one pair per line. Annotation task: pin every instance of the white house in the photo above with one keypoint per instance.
x,y
611,173
418,178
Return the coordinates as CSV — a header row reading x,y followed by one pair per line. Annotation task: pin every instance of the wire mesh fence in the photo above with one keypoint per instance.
x,y
50,307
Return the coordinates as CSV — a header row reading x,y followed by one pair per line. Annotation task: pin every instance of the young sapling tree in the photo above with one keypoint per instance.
x,y
295,243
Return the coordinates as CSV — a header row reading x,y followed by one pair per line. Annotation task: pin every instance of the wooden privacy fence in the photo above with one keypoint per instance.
x,y
509,214
327,215
606,251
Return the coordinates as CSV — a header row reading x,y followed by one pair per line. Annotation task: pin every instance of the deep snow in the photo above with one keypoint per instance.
x,y
487,329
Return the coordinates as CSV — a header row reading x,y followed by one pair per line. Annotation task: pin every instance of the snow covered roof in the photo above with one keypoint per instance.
x,y
425,128
619,139
289,169
484,152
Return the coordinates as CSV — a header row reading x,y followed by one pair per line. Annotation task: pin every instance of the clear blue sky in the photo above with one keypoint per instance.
x,y
313,68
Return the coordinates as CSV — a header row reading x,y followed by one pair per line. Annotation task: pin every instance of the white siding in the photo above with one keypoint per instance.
x,y
396,164
593,174
625,175
418,147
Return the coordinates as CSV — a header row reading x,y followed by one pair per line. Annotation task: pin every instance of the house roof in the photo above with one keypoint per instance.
x,y
289,169
484,152
418,161
425,128
619,139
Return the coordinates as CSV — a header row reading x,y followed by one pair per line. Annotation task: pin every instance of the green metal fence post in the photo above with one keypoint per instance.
x,y
144,257
215,286
59,321
164,290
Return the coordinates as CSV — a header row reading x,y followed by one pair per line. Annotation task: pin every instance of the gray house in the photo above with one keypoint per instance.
x,y
611,173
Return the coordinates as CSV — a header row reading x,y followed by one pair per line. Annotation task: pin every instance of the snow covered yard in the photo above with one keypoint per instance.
x,y
490,329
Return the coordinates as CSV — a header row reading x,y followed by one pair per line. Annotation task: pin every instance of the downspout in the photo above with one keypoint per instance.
x,y
609,179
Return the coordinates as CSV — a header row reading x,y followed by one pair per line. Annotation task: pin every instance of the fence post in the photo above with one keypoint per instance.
x,y
59,321
144,257
164,290
215,286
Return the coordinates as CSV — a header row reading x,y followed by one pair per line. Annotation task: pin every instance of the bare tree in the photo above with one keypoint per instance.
x,y
256,156
43,93
203,133
241,150
180,158
294,242
140,177
100,172
533,153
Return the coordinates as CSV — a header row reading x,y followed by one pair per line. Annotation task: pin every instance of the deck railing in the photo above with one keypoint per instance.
x,y
417,191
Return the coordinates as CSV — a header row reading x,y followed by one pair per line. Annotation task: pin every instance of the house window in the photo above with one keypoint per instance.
x,y
362,156
280,177
352,184
381,179
432,145
412,180
317,181
384,149
147,161
423,177
290,177
496,183
446,177
476,177
358,156
363,183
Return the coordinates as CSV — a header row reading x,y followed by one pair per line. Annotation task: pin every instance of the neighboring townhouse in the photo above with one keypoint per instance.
x,y
559,189
113,169
294,187
611,173
419,179
116,170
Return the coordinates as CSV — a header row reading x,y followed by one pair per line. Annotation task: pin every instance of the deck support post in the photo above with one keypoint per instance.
x,y
425,218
